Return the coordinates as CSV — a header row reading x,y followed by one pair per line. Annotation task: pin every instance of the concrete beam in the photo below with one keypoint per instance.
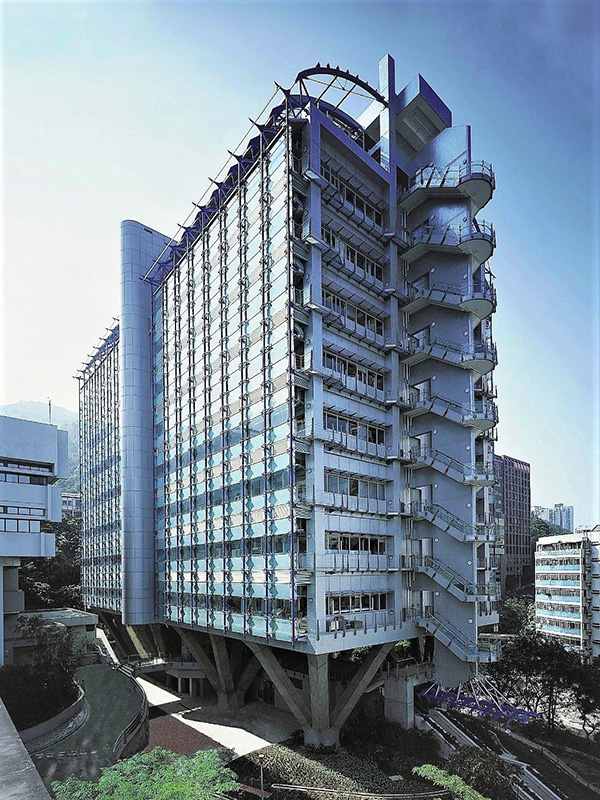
x,y
142,638
197,651
292,697
219,677
159,639
124,646
359,683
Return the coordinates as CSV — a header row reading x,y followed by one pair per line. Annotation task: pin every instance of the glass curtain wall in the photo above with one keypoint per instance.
x,y
222,401
100,481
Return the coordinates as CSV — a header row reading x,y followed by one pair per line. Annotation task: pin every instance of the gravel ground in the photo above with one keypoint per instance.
x,y
170,733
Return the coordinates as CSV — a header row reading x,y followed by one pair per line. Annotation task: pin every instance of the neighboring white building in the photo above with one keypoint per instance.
x,y
567,589
33,456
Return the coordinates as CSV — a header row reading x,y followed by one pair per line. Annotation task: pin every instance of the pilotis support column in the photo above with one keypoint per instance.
x,y
320,734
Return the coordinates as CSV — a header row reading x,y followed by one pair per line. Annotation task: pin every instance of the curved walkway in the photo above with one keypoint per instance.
x,y
112,703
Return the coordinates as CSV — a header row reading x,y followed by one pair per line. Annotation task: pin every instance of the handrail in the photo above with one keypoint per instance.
x,y
451,234
474,468
464,527
467,351
483,407
465,291
430,176
126,734
466,586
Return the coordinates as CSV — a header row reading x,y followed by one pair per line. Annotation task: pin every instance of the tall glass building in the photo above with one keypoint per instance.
x,y
303,384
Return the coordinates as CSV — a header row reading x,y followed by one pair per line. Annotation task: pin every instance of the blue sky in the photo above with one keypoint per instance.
x,y
122,110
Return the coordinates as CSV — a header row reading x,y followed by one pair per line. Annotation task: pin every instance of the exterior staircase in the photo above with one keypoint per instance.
x,y
457,642
450,523
482,414
454,582
478,474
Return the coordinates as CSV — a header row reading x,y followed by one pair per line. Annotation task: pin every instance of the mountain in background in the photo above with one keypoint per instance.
x,y
63,418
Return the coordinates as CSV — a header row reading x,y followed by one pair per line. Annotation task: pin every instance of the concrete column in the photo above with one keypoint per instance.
x,y
320,734
399,701
159,639
142,639
139,248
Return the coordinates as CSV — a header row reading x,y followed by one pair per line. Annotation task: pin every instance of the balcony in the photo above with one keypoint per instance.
x,y
476,239
454,582
351,623
475,297
306,497
350,562
475,180
482,414
343,440
480,357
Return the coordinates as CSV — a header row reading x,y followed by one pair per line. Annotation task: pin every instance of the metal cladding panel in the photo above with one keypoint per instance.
x,y
140,246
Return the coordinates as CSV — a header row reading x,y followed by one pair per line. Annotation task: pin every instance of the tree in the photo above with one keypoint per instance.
x,y
40,688
516,616
484,771
536,672
440,777
55,582
157,775
586,695
539,527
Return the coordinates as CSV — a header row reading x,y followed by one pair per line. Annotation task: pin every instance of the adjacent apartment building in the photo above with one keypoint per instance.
x,y
560,515
512,504
567,589
33,456
287,440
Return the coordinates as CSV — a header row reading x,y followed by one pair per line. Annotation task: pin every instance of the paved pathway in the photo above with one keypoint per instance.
x,y
251,728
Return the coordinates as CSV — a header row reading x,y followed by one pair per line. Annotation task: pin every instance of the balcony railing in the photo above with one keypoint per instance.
x,y
360,561
352,623
309,496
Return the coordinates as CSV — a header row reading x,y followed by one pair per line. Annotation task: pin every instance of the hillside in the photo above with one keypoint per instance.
x,y
63,418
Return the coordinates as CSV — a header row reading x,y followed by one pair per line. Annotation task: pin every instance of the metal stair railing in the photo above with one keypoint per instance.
x,y
469,588
451,519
